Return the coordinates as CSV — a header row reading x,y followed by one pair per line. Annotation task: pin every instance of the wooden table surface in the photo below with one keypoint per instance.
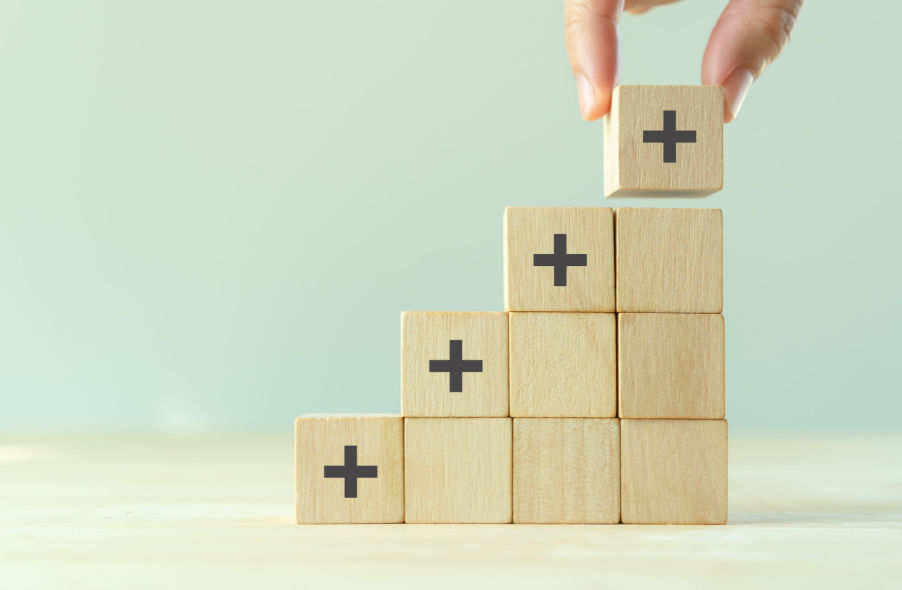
x,y
217,512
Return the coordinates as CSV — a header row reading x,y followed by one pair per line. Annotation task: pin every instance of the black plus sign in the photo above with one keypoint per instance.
x,y
669,136
456,366
560,260
350,471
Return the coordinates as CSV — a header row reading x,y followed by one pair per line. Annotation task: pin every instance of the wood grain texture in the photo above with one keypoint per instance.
x,y
634,167
320,441
673,471
531,230
669,260
566,470
670,365
216,511
426,336
458,470
563,365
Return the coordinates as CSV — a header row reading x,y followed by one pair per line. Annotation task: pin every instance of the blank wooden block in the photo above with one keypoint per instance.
x,y
664,140
670,365
566,470
349,469
454,364
673,471
669,260
558,259
563,365
458,470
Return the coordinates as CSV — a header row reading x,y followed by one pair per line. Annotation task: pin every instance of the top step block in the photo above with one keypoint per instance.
x,y
559,259
664,139
669,260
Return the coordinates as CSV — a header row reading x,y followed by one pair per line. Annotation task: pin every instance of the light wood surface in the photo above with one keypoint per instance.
x,y
457,470
563,365
670,365
427,336
378,442
669,260
673,471
566,470
106,513
531,230
634,164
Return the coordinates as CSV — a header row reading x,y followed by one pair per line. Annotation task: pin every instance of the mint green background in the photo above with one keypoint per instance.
x,y
212,213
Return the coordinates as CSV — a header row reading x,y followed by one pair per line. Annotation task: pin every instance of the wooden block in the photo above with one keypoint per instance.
x,y
669,260
566,470
664,139
673,471
558,259
670,365
563,365
454,364
457,470
349,469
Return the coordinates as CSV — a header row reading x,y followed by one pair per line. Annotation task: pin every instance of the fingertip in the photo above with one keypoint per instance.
x,y
586,93
735,89
594,103
748,36
593,48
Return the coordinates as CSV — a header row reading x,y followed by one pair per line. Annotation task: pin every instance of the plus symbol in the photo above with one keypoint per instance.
x,y
560,260
350,471
669,136
456,366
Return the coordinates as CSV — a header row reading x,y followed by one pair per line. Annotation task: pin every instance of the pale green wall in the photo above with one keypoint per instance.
x,y
211,215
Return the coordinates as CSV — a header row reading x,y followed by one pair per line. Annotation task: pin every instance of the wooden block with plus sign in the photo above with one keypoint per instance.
x,y
670,365
661,140
673,471
457,470
563,365
454,364
669,260
566,470
558,259
349,469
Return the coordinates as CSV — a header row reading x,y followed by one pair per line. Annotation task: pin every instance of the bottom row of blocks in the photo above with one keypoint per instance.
x,y
389,469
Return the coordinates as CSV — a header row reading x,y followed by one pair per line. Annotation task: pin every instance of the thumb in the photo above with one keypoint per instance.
x,y
748,36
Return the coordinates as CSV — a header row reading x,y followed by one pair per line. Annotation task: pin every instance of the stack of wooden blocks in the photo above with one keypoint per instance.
x,y
596,397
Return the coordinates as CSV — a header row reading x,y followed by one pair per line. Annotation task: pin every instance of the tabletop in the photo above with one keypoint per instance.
x,y
217,511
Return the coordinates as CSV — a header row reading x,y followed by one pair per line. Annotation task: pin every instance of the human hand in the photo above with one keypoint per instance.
x,y
748,36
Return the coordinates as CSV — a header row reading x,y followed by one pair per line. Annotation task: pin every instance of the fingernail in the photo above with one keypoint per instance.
x,y
735,89
586,93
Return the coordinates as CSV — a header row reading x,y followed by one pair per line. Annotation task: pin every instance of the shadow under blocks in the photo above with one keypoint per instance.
x,y
596,396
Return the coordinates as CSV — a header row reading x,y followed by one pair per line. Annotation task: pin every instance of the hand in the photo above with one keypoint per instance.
x,y
748,36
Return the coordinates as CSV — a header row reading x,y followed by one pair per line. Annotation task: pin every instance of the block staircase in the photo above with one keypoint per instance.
x,y
596,397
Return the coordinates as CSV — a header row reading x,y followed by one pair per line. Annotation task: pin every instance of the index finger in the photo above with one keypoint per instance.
x,y
593,47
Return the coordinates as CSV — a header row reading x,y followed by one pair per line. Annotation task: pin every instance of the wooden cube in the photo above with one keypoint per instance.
x,y
566,470
563,365
670,365
454,364
349,469
669,260
673,471
558,259
457,470
664,140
